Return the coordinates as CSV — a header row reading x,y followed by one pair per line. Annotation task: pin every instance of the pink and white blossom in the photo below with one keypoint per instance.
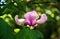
x,y
31,19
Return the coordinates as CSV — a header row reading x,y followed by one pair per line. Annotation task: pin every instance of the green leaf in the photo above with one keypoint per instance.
x,y
29,34
5,30
1,11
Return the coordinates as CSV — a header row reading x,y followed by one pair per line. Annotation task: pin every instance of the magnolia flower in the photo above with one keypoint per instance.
x,y
31,19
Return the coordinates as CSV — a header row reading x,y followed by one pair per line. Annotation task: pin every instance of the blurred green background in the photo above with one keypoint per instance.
x,y
10,30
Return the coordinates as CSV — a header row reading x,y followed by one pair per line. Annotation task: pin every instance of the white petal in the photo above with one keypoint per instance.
x,y
19,21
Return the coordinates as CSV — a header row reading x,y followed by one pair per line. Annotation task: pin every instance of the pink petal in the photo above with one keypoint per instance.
x,y
27,22
32,15
43,19
19,21
34,22
30,22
